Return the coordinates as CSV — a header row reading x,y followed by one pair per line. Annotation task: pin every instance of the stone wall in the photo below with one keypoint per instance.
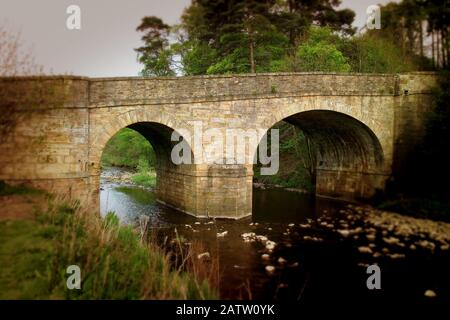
x,y
412,106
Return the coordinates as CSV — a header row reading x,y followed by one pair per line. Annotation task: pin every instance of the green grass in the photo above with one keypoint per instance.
x,y
146,179
114,262
24,258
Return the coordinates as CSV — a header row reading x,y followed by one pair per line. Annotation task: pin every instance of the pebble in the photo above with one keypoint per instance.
x,y
426,244
270,245
430,294
397,256
262,238
344,233
270,269
291,225
391,240
365,250
281,260
265,256
222,234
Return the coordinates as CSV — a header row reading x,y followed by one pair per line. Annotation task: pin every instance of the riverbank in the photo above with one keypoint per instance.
x,y
125,175
41,236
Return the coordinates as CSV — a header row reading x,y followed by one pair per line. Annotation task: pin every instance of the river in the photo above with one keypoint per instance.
x,y
322,248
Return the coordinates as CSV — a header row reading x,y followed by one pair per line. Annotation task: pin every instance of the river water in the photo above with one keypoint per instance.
x,y
312,261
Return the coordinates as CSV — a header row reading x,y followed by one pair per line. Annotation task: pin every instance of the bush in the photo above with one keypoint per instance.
x,y
320,53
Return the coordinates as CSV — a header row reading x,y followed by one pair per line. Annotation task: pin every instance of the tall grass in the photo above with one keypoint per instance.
x,y
116,261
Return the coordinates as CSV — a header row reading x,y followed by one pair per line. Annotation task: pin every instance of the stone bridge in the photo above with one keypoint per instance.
x,y
54,130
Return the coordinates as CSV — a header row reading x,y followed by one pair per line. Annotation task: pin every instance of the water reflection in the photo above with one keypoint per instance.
x,y
312,263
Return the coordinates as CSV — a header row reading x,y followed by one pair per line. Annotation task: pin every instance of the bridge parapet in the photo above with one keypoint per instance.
x,y
135,91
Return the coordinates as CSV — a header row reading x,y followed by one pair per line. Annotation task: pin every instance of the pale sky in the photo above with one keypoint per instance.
x,y
104,45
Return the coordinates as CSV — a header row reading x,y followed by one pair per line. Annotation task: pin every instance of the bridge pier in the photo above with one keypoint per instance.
x,y
219,191
349,185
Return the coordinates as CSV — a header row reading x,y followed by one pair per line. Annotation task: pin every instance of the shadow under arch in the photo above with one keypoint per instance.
x,y
348,157
170,186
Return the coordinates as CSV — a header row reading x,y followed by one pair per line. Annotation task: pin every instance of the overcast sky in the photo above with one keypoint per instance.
x,y
104,45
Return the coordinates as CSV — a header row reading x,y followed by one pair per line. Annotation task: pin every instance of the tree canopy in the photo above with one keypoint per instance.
x,y
250,36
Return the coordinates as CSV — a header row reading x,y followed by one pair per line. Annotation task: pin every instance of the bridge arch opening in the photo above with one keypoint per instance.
x,y
328,153
145,150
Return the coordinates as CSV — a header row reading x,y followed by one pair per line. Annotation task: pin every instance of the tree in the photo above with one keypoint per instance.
x,y
294,17
369,53
320,53
14,60
248,41
155,55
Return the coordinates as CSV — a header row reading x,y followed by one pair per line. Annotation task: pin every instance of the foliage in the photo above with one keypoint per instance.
x,y
128,148
297,159
155,55
243,36
146,176
411,25
14,59
319,53
35,254
197,58
371,54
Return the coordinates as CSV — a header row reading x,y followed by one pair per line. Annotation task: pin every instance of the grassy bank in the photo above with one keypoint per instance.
x,y
145,177
115,263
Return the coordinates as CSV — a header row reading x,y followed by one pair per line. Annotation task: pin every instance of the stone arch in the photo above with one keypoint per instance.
x,y
146,120
174,183
349,155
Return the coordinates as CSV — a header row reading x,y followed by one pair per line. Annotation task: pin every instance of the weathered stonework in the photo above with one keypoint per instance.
x,y
57,128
